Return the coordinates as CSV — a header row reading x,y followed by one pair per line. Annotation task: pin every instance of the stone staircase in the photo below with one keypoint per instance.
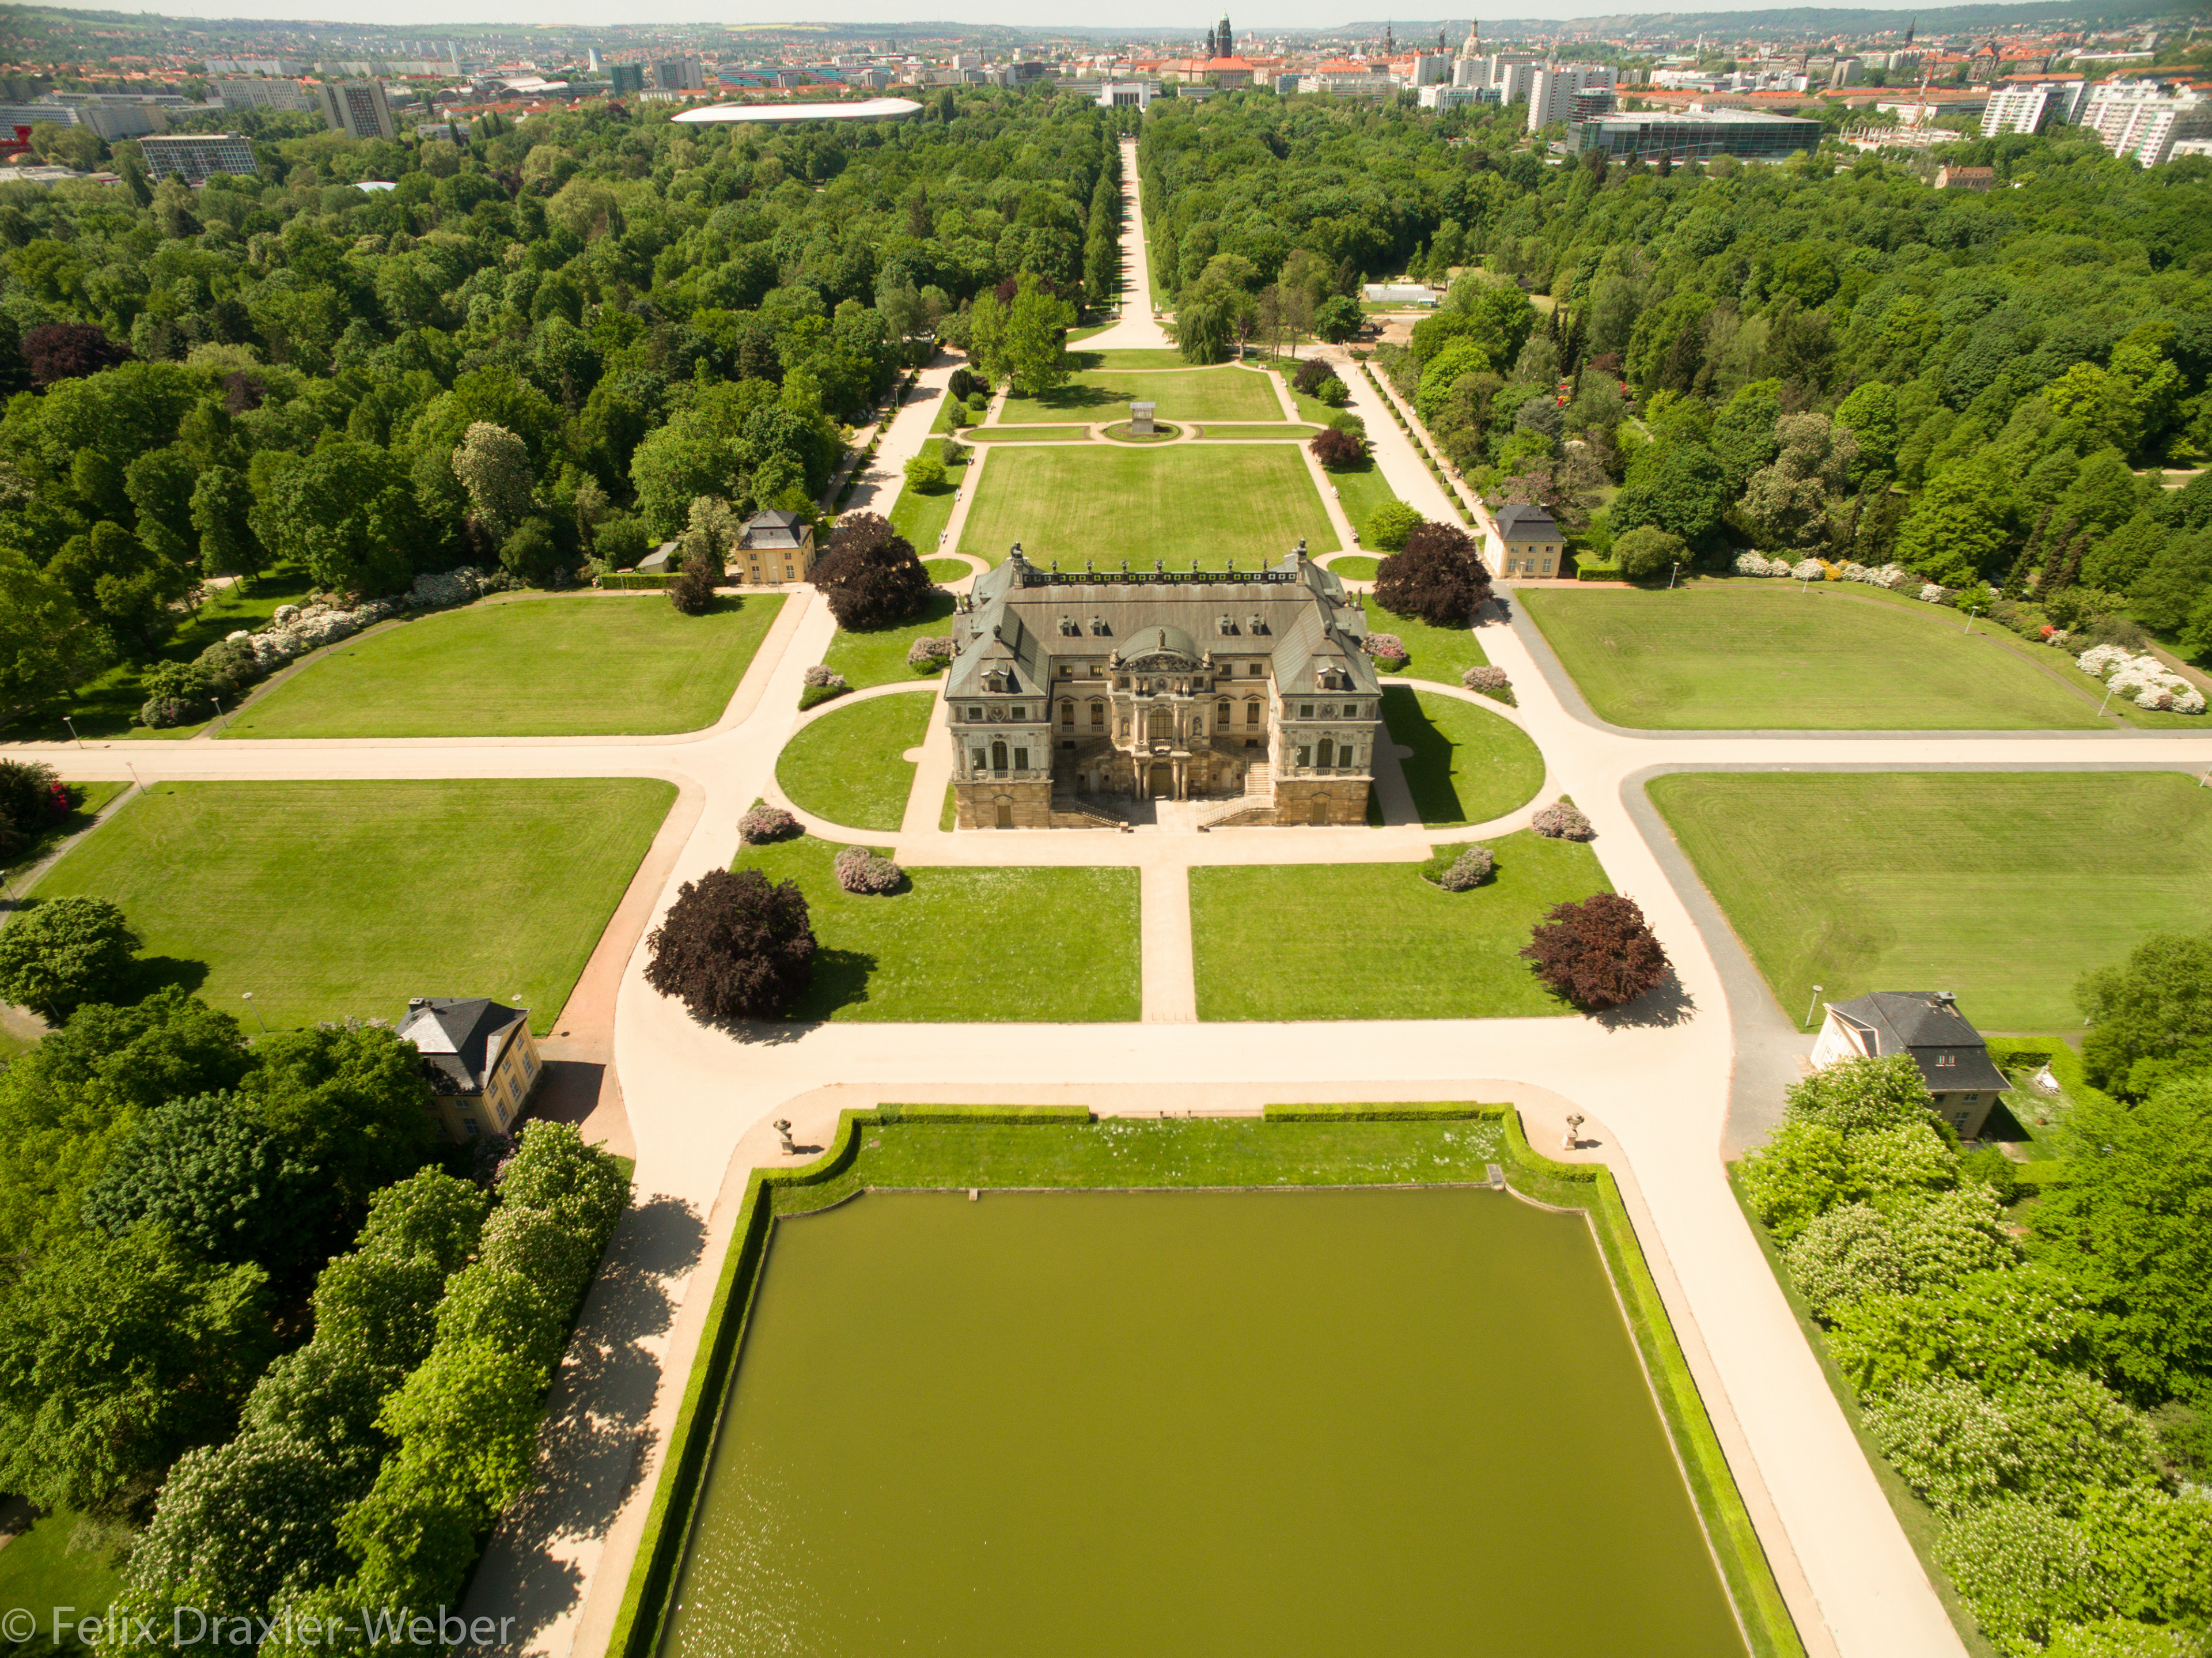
x,y
1072,810
1255,805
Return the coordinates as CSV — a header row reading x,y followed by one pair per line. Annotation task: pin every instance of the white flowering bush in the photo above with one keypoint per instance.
x,y
1955,1446
1932,593
1943,1236
1843,1256
2123,1637
1807,1168
2144,680
820,675
295,629
1760,564
2049,1435
762,823
2022,1568
1808,569
929,653
1990,1327
1886,576
1861,1094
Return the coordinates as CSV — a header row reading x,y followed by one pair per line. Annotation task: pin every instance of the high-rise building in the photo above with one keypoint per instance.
x,y
2144,119
591,60
679,74
195,156
264,93
2026,108
356,108
627,77
1555,90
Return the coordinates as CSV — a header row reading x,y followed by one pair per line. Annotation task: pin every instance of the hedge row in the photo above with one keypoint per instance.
x,y
1408,1111
984,1114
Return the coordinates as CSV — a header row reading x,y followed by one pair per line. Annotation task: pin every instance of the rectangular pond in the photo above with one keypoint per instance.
x,y
1342,1422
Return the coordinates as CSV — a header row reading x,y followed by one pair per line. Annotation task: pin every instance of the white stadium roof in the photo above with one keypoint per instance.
x,y
868,109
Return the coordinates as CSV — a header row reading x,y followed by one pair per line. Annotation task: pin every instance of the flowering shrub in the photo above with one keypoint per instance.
x,y
928,653
1807,1168
1386,648
762,823
1486,680
1808,569
2143,679
1861,1094
1943,1237
819,675
1760,564
867,874
1467,871
1931,593
1990,1327
1888,575
1563,821
1843,1256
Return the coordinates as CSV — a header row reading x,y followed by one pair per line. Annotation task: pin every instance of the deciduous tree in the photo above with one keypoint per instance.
x,y
871,574
1439,576
65,953
1600,953
734,946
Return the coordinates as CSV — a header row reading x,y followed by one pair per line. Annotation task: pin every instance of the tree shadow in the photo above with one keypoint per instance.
x,y
1075,398
154,973
840,979
594,1441
1666,1006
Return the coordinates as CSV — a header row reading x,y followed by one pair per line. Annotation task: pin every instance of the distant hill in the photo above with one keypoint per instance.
x,y
1807,20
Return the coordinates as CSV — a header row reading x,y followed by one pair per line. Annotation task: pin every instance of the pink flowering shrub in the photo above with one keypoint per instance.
x,y
762,823
1563,821
1469,870
1386,648
867,874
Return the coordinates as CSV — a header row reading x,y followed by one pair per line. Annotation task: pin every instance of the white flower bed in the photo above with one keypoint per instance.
x,y
1811,569
2144,680
295,629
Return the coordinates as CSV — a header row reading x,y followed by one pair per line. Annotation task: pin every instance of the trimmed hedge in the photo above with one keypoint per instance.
x,y
985,1113
1587,1187
1408,1111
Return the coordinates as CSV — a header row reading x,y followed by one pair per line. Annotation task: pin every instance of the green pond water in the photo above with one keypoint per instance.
x,y
1378,1424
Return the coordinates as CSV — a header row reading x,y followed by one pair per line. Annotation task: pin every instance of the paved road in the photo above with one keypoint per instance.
x,y
698,1098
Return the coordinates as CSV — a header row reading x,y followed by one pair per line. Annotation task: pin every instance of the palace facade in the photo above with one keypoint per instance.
x,y
1250,690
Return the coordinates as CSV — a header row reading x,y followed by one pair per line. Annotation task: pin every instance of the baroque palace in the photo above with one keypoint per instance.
x,y
1250,690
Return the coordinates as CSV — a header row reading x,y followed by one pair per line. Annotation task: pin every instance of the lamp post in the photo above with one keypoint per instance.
x,y
2107,703
1673,571
71,724
1814,1003
1972,611
248,998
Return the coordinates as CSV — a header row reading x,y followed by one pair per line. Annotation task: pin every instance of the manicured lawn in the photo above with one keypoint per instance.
x,y
1356,567
1360,492
540,667
1183,501
942,570
1028,434
921,518
1279,433
1751,655
329,899
2004,887
937,949
878,657
1200,394
1422,953
845,766
1091,362
40,1570
1439,653
1468,765
85,801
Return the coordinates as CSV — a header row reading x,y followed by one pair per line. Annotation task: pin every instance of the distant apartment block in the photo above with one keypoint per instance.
x,y
627,78
195,156
2032,108
356,108
265,93
2142,119
681,73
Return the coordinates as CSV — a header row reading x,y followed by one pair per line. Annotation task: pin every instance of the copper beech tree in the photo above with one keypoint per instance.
x,y
1439,576
734,946
1600,953
871,575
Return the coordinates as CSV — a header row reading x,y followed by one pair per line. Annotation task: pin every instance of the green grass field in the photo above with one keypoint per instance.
x,y
1090,363
1276,433
943,570
878,657
1468,765
1183,501
921,518
1745,655
86,800
540,667
2004,887
1360,492
1357,567
327,900
52,1565
1199,394
1424,953
1028,434
1439,653
935,950
845,766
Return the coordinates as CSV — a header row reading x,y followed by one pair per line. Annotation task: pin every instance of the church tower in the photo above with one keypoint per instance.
x,y
1468,70
1224,43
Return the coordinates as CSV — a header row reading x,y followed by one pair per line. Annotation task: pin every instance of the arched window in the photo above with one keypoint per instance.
x,y
1328,756
998,756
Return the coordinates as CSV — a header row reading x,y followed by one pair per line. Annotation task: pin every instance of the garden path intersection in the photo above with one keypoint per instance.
x,y
1665,1096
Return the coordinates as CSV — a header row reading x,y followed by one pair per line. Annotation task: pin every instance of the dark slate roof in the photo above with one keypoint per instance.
x,y
774,529
1928,1025
1519,522
1304,623
454,1034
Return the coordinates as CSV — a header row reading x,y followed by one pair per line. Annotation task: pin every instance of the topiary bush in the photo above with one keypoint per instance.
x,y
1489,682
1333,393
733,945
867,874
1599,953
762,823
1389,525
1388,649
1563,821
1467,871
962,384
1337,452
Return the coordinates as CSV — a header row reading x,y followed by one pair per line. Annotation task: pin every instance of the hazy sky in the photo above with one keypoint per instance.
x,y
1135,15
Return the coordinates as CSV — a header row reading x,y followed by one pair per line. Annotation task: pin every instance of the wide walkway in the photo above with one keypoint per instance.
x,y
699,1098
